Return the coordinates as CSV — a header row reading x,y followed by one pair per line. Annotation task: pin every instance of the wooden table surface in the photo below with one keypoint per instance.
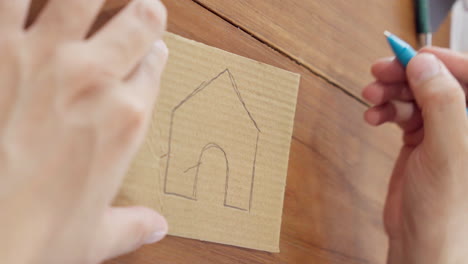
x,y
339,167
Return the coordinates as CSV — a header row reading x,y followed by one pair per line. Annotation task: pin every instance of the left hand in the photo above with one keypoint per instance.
x,y
73,112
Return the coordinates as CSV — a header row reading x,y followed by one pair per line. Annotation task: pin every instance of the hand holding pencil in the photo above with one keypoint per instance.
x,y
426,203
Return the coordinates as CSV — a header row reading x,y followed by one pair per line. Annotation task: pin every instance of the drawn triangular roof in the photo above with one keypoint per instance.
x,y
203,85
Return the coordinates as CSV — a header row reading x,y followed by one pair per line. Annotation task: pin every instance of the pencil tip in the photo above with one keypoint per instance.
x,y
387,33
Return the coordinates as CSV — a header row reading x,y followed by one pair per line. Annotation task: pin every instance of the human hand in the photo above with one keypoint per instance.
x,y
73,112
426,211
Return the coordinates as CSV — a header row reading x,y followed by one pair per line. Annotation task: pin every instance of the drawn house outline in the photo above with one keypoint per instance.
x,y
213,145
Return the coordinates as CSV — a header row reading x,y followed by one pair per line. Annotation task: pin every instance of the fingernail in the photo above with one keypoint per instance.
x,y
160,230
160,45
372,117
425,66
155,237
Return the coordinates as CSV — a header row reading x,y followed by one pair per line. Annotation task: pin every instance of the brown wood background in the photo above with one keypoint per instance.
x,y
339,167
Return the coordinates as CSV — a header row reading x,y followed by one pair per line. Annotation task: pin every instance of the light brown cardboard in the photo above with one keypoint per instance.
x,y
215,159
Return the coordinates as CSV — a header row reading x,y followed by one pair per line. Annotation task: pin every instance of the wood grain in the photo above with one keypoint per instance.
x,y
338,39
338,169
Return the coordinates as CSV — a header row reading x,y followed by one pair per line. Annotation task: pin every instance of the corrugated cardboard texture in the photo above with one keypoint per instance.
x,y
215,159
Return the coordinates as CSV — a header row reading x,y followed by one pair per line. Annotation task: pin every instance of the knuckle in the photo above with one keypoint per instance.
x,y
84,77
123,47
131,114
152,12
78,69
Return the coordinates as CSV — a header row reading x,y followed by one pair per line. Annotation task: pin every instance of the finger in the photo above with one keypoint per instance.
x,y
402,113
124,41
379,92
126,229
457,63
66,20
145,79
13,14
378,115
413,122
440,98
124,115
388,70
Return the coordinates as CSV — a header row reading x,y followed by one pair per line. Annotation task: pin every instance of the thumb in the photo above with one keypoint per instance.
x,y
441,99
124,229
456,62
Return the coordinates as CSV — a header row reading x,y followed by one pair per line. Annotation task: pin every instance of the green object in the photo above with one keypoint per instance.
x,y
423,22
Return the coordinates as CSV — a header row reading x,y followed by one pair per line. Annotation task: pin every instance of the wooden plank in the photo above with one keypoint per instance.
x,y
338,39
337,176
442,36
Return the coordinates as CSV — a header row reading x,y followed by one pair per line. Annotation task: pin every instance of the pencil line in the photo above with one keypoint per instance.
x,y
180,195
211,145
253,172
193,167
235,207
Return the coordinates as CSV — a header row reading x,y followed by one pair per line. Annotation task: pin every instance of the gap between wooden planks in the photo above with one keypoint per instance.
x,y
336,39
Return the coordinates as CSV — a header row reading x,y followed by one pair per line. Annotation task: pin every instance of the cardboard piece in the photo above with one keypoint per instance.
x,y
215,159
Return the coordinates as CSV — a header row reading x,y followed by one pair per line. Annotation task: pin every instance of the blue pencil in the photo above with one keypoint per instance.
x,y
402,50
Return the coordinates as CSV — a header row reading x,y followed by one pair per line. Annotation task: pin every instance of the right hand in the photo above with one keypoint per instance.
x,y
426,211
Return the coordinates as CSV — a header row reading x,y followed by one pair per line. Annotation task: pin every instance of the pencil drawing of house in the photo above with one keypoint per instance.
x,y
212,146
